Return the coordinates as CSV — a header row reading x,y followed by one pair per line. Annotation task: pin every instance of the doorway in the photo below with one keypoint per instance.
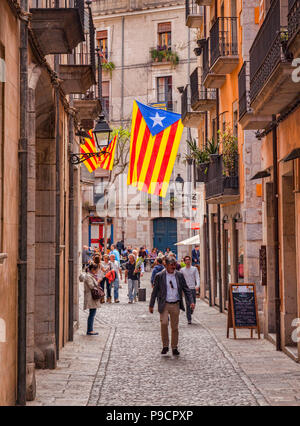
x,y
165,234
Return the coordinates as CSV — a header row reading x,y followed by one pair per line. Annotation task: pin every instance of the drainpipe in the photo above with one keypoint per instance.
x,y
208,276
219,215
57,225
276,235
122,73
23,191
71,234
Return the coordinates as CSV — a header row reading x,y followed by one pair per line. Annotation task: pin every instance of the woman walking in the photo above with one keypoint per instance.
x,y
118,273
91,282
105,268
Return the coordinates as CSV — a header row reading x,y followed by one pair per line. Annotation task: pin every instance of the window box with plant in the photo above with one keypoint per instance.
x,y
108,66
201,158
164,54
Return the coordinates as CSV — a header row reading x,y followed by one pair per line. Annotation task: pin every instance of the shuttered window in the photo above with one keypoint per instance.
x,y
102,43
164,34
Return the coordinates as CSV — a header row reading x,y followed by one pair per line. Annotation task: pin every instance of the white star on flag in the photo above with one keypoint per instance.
x,y
157,120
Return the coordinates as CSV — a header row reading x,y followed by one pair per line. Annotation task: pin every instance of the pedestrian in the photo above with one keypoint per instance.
x,y
131,275
106,267
168,288
168,251
157,268
91,282
192,279
120,246
86,256
178,266
114,251
196,257
115,284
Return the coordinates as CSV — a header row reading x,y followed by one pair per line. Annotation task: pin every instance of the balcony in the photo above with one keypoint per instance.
x,y
78,74
194,14
189,118
202,99
164,55
224,55
247,119
222,185
272,88
210,80
294,27
57,25
88,105
204,2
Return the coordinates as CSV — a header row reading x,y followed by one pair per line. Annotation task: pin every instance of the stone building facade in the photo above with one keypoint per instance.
x,y
40,191
126,33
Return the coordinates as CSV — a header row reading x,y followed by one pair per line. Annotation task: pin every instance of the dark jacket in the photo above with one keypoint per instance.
x,y
160,290
157,268
195,257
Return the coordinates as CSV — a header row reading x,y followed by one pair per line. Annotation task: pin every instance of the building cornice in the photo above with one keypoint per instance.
x,y
101,16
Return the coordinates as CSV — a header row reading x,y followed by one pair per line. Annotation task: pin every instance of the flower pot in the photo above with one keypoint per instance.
x,y
214,157
202,170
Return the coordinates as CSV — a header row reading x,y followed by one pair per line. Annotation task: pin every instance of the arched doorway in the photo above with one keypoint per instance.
x,y
165,233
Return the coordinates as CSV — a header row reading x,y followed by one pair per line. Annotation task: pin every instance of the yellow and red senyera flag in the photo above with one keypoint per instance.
x,y
106,160
155,138
89,147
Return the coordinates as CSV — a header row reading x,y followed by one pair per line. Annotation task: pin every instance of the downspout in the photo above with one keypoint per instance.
x,y
219,214
57,225
23,194
276,235
71,234
122,73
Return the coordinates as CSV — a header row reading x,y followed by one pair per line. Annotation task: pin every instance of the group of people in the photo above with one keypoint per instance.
x,y
169,278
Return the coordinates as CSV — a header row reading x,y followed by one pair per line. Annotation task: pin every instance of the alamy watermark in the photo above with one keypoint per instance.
x,y
2,331
296,71
2,71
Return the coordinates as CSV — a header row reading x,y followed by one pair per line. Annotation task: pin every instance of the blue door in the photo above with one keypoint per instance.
x,y
165,234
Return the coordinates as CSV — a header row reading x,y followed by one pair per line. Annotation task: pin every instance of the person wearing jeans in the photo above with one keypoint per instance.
x,y
192,279
90,282
118,271
131,274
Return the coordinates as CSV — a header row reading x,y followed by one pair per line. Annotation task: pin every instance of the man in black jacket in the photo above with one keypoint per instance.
x,y
168,287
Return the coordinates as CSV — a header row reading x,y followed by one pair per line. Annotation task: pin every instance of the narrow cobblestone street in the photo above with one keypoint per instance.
x,y
123,365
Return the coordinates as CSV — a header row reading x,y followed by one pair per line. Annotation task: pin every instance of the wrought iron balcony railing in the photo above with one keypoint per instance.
x,y
199,92
205,58
293,18
223,39
185,102
244,89
58,4
193,14
266,50
222,183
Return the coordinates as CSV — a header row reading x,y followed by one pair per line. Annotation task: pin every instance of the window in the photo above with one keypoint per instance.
x,y
2,80
164,91
164,35
105,98
102,44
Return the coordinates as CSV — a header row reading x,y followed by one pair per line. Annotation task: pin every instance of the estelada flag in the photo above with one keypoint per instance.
x,y
155,138
89,147
106,160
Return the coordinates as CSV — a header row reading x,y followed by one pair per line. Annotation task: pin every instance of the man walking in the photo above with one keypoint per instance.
x,y
192,279
168,287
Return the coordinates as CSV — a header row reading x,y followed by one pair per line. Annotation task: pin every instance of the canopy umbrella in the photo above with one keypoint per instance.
x,y
189,241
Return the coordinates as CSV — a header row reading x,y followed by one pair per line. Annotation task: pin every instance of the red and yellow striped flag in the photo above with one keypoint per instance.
x,y
155,138
106,160
89,147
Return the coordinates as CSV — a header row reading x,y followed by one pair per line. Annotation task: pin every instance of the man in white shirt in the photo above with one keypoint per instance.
x,y
192,279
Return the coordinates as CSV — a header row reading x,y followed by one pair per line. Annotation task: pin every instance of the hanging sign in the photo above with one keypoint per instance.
x,y
242,308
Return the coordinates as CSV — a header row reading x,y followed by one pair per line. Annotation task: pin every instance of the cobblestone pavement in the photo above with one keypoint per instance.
x,y
123,365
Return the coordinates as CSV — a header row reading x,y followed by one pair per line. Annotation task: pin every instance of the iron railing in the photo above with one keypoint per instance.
x,y
57,4
205,56
223,38
198,91
185,105
244,89
192,8
266,50
222,180
293,18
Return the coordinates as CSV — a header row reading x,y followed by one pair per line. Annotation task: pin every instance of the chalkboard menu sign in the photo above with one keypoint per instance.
x,y
242,308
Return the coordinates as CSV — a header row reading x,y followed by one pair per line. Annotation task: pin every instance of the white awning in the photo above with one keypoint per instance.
x,y
190,241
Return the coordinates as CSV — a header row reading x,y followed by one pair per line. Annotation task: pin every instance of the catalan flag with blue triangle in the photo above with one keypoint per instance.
x,y
154,143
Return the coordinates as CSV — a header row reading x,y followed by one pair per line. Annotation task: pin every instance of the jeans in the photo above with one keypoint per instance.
x,y
108,287
116,288
132,289
188,307
90,321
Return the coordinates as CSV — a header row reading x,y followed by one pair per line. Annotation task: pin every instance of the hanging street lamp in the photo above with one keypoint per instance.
x,y
101,134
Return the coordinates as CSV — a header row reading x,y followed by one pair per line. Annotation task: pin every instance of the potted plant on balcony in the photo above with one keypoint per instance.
x,y
108,66
201,157
212,148
229,151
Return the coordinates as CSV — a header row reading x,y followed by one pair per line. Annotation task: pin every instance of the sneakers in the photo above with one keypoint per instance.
x,y
175,352
164,350
117,301
92,333
189,322
130,301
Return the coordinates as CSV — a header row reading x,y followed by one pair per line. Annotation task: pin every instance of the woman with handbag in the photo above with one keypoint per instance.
x,y
106,267
92,295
